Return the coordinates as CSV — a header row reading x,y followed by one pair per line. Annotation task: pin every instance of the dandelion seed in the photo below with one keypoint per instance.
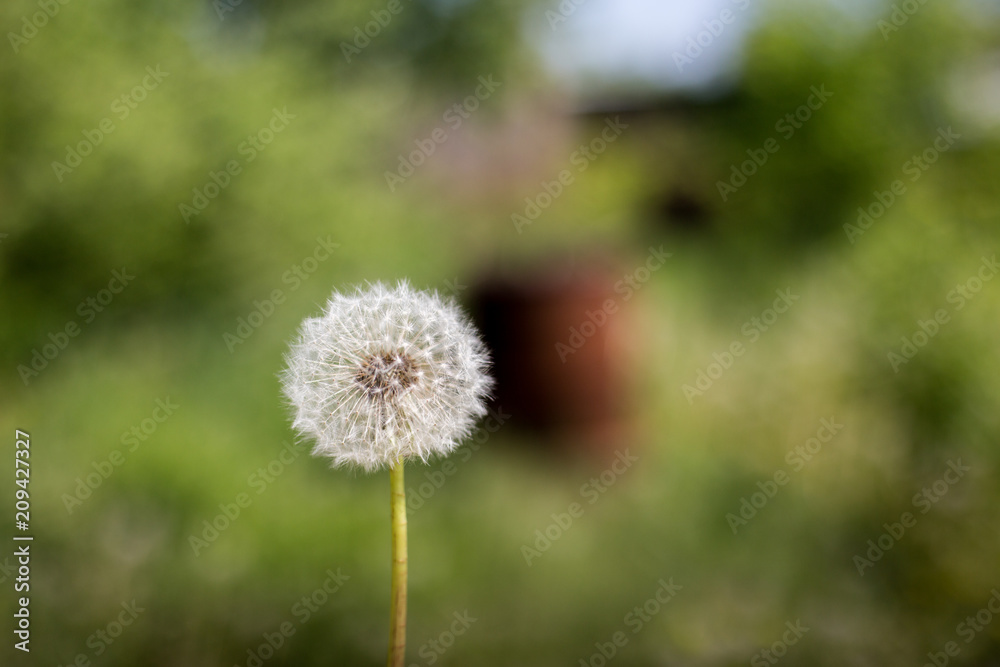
x,y
386,373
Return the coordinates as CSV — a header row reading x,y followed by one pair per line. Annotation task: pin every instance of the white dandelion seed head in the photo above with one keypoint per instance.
x,y
386,373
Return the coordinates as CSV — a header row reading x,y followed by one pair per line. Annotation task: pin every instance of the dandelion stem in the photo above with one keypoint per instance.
x,y
397,620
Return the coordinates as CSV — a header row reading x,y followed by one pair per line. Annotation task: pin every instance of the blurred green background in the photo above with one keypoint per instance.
x,y
337,121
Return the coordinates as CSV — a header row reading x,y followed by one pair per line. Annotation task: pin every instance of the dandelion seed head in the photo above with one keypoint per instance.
x,y
386,373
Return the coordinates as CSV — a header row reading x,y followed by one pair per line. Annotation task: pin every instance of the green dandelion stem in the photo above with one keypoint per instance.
x,y
397,619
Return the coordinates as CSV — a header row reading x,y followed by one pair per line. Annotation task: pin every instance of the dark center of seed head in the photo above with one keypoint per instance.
x,y
386,374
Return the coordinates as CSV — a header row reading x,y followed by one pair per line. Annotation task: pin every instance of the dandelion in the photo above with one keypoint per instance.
x,y
383,376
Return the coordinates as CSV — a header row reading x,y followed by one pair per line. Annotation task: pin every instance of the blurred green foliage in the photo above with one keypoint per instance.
x,y
322,178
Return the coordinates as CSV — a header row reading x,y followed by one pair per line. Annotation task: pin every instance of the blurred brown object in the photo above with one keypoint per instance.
x,y
556,334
